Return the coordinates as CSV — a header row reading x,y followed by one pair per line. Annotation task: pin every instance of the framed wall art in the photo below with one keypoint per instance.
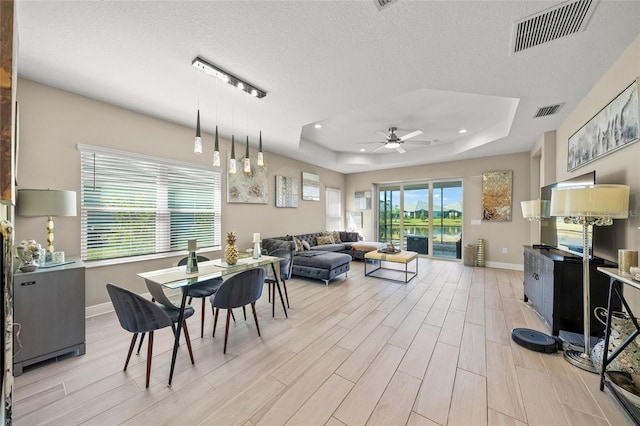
x,y
363,200
496,195
613,128
286,191
247,187
354,221
310,187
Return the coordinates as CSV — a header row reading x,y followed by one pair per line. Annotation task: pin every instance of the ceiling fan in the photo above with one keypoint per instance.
x,y
393,141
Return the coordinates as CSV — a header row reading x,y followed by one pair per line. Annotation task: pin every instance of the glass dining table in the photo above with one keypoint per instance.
x,y
177,278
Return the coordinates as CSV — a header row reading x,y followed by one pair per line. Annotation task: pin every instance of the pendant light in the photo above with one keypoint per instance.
x,y
260,161
232,160
197,145
216,146
216,151
247,160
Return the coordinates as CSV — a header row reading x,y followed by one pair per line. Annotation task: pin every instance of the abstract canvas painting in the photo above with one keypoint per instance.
x,y
496,195
310,187
247,187
286,191
613,128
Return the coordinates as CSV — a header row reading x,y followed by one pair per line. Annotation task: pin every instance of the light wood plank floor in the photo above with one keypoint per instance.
x,y
363,350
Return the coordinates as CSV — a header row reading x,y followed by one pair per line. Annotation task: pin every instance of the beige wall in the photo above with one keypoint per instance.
x,y
53,122
620,167
497,235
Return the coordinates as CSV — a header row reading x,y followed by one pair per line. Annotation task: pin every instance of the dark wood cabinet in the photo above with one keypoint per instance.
x,y
553,286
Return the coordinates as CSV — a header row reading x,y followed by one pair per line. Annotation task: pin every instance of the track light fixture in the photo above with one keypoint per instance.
x,y
227,77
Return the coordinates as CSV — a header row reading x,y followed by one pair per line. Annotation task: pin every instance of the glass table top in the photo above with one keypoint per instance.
x,y
177,276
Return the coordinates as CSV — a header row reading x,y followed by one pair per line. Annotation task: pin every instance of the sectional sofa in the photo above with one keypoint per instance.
x,y
321,255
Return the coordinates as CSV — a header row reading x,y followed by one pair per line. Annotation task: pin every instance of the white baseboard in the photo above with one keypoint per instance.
x,y
502,265
95,310
105,308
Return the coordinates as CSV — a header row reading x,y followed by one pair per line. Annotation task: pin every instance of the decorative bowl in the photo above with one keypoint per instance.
x,y
627,384
28,268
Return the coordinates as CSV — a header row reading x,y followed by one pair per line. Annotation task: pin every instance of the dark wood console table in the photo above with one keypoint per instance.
x,y
616,281
553,285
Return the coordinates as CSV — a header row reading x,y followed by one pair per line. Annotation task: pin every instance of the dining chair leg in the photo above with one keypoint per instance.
x,y
244,311
202,319
226,331
255,316
140,344
149,356
188,339
133,343
286,295
215,320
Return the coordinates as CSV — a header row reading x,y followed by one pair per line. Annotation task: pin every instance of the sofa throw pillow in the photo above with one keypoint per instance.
x,y
325,239
306,245
336,237
299,246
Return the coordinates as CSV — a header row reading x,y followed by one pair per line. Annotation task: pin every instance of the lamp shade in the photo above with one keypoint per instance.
x,y
46,202
611,201
535,209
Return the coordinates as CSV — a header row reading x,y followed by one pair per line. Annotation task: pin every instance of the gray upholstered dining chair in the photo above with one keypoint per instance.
x,y
201,290
239,290
286,266
139,315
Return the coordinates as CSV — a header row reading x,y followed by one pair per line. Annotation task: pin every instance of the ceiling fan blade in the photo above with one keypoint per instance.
x,y
378,148
383,134
400,150
411,135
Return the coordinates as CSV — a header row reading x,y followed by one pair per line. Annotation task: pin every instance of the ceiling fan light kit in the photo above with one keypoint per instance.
x,y
393,140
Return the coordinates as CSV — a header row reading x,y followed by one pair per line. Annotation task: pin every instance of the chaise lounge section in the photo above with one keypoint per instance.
x,y
323,261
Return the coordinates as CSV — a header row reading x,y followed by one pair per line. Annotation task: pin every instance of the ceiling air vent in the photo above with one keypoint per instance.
x,y
381,4
548,110
559,21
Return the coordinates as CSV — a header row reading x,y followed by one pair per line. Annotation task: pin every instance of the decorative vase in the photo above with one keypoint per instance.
x,y
480,253
231,251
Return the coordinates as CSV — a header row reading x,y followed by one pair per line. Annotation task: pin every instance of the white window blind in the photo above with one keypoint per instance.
x,y
334,209
134,205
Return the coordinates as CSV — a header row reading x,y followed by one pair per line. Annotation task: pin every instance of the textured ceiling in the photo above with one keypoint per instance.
x,y
436,66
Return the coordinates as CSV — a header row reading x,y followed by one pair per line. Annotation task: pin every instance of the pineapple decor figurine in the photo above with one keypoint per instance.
x,y
231,251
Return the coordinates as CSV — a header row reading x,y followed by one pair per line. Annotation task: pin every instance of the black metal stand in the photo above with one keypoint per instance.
x,y
615,289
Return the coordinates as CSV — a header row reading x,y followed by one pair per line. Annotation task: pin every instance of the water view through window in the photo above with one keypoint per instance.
x,y
424,217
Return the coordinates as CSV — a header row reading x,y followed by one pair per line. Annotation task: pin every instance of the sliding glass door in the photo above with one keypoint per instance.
x,y
389,214
447,219
423,217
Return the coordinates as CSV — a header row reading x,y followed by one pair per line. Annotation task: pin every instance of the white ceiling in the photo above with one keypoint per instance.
x,y
436,66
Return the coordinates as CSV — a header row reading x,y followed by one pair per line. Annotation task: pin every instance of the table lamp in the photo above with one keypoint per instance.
x,y
588,205
535,210
49,203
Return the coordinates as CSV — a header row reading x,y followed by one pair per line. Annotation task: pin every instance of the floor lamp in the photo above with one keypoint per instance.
x,y
588,206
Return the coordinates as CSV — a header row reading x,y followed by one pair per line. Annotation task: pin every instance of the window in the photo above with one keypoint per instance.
x,y
134,205
334,210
